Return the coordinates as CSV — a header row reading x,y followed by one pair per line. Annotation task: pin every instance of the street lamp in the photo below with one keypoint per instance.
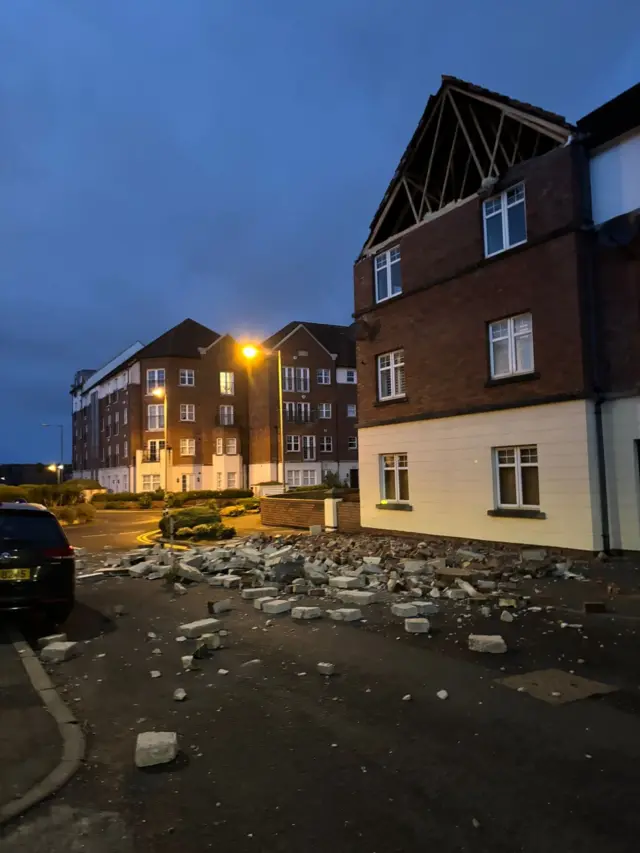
x,y
60,467
56,469
250,352
161,394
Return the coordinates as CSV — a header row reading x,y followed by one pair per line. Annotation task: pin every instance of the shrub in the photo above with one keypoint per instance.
x,y
232,511
66,514
84,484
99,498
84,513
184,532
12,493
117,505
176,499
145,501
250,504
188,517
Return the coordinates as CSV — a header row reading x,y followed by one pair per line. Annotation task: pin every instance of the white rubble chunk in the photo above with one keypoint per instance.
x,y
278,605
404,610
485,611
155,673
357,596
435,592
194,560
533,554
372,561
52,638
193,630
156,576
58,652
188,573
305,612
223,606
259,592
180,694
119,610
179,589
468,554
216,580
419,625
414,567
485,585
211,641
276,556
142,569
231,581
456,594
325,668
223,672
187,662
155,748
471,591
442,694
438,564
490,643
406,697
345,614
505,616
346,582
259,603
426,608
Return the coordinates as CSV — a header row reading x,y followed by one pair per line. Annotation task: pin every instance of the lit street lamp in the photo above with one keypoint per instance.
x,y
56,469
161,394
250,352
60,466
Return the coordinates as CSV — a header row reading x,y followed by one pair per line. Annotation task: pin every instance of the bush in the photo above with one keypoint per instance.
x,y
250,504
213,531
175,499
118,505
67,514
12,493
84,513
184,532
99,498
145,501
188,517
84,484
232,511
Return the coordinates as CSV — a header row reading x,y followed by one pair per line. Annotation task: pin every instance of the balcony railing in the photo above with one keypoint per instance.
x,y
150,457
300,416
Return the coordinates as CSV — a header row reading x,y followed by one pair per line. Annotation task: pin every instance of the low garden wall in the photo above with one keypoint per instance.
x,y
292,512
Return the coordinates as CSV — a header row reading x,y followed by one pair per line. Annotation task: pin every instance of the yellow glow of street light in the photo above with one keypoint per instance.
x,y
249,351
158,392
53,467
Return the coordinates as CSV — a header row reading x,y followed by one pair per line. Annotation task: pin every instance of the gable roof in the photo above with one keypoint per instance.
x,y
337,340
183,341
615,118
467,134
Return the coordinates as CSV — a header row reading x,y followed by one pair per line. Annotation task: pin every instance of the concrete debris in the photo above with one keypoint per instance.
x,y
471,591
252,662
179,589
419,625
211,641
188,573
155,673
485,611
156,652
442,694
259,592
51,638
59,651
142,569
231,581
281,605
304,612
404,610
315,530
193,630
357,596
155,748
426,608
345,614
180,694
406,697
119,610
505,616
489,643
325,668
456,594
346,582
258,603
223,672
215,607
187,662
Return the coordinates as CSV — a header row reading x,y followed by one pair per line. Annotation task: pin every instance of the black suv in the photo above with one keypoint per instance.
x,y
37,565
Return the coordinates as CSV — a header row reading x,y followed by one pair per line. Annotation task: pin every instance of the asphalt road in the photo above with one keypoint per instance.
x,y
117,529
276,757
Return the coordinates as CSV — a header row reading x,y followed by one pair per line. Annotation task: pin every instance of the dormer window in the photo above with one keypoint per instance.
x,y
387,272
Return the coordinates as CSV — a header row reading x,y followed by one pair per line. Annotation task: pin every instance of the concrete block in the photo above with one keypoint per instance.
x,y
357,596
142,569
492,644
188,573
60,651
231,581
346,582
414,567
417,626
533,554
51,638
345,614
276,556
259,603
217,581
179,589
456,594
325,668
404,610
305,612
278,605
372,561
315,529
193,630
259,592
223,606
426,608
211,641
155,748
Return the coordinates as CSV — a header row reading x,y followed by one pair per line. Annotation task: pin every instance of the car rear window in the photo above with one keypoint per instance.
x,y
30,528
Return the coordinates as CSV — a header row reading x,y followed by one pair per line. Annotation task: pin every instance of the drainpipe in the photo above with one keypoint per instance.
x,y
602,476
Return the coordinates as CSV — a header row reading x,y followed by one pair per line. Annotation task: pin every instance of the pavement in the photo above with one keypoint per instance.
x,y
276,757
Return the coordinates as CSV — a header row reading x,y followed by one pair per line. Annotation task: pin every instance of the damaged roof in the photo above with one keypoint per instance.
x,y
338,340
615,118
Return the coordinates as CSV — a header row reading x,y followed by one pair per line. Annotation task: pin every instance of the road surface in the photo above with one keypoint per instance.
x,y
118,529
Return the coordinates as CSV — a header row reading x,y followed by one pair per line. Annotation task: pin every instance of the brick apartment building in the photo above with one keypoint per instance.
x,y
496,307
174,414
314,431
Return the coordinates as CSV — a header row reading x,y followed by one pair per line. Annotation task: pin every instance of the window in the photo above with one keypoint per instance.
x,y
187,447
116,428
391,375
387,266
232,480
218,479
219,446
505,221
306,477
297,412
150,482
352,442
187,377
231,446
125,417
295,379
324,410
511,346
395,477
227,383
101,424
308,447
187,412
155,379
352,377
323,377
117,453
154,446
352,410
294,478
155,416
326,444
517,477
226,415
293,443
108,433
125,449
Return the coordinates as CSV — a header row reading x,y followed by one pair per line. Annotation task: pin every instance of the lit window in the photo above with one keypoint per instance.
x,y
219,446
187,412
187,447
293,443
231,446
391,375
226,415
387,269
324,410
352,410
395,477
323,377
187,377
116,426
326,444
125,416
511,346
505,221
232,480
517,477
155,416
155,379
352,442
227,383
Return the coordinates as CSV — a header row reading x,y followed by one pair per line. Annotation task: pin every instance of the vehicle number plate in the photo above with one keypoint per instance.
x,y
15,574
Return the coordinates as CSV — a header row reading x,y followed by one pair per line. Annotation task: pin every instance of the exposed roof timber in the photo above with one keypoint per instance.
x,y
382,216
466,136
413,207
424,199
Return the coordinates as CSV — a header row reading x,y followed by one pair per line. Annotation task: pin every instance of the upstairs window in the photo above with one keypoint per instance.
x,y
295,379
323,376
391,384
387,271
231,446
155,379
155,417
187,447
352,442
324,410
227,383
326,444
187,377
352,410
293,444
225,415
505,221
511,346
219,446
187,412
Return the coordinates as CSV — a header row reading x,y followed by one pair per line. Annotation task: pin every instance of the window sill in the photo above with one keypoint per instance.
x,y
395,505
516,513
499,252
514,377
387,298
391,401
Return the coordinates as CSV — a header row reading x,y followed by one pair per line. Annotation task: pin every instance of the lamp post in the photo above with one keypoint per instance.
x,y
250,352
161,394
60,466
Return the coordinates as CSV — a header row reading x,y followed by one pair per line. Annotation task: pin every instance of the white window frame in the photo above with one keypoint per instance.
x,y
117,454
155,415
351,376
518,464
400,463
500,205
288,379
231,446
219,480
324,411
227,383
326,444
187,377
323,376
219,446
232,479
293,444
125,449
352,442
309,477
297,412
146,483
385,261
188,412
396,368
352,410
187,447
511,335
154,446
303,382
226,415
293,475
116,423
309,448
125,416
156,378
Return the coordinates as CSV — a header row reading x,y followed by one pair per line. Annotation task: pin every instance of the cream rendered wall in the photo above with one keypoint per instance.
x,y
263,472
117,479
621,427
451,481
225,464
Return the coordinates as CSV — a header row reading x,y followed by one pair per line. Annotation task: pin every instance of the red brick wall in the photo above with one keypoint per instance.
x,y
292,512
349,517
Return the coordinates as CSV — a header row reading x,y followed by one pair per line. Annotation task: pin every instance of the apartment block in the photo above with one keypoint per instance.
x,y
303,406
496,312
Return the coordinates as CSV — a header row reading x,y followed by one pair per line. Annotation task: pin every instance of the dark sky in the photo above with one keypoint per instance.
x,y
222,159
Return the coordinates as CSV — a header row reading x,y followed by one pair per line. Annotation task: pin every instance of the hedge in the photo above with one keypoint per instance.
x,y
65,494
189,517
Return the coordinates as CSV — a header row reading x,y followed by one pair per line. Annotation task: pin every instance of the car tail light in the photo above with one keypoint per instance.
x,y
60,551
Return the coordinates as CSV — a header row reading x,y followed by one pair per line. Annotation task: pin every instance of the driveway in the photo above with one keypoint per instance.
x,y
117,529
